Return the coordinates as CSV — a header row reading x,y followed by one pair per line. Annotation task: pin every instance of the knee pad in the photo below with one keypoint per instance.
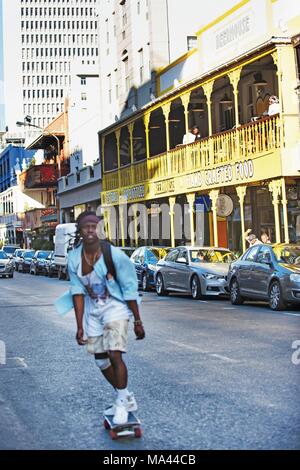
x,y
103,363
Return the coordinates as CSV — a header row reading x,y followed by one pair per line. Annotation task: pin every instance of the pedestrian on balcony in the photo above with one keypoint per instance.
x,y
104,290
274,106
196,133
192,136
265,238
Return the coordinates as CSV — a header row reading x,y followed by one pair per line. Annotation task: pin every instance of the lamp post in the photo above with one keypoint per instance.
x,y
45,132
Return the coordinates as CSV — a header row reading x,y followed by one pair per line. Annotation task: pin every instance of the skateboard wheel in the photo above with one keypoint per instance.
x,y
105,424
113,434
138,432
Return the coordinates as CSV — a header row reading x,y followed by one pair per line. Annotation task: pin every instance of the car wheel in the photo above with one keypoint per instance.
x,y
196,288
276,301
11,276
235,296
17,267
159,286
145,284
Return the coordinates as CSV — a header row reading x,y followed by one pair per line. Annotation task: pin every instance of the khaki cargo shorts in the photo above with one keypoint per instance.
x,y
114,338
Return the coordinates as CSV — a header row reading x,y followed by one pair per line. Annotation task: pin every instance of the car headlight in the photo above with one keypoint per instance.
x,y
295,277
152,267
210,276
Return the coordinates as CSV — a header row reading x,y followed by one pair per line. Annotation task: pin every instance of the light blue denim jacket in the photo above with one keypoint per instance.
x,y
123,289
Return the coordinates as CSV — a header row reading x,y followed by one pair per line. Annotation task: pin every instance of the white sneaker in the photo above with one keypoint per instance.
x,y
131,405
121,414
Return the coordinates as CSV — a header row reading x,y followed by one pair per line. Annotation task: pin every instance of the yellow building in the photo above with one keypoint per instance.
x,y
247,161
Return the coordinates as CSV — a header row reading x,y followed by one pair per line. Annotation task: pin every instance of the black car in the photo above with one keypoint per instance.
x,y
145,260
266,272
51,269
38,262
25,261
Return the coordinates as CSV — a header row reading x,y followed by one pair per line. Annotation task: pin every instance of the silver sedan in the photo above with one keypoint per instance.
x,y
197,271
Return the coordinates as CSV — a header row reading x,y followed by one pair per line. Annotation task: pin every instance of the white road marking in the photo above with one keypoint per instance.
x,y
224,358
291,314
228,308
203,301
194,348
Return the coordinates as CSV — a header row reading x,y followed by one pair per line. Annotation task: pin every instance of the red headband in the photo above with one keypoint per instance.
x,y
88,219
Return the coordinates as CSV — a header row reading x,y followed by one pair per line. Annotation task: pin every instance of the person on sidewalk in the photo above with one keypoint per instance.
x,y
103,303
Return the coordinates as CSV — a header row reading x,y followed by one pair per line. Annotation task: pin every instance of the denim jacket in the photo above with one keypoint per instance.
x,y
123,289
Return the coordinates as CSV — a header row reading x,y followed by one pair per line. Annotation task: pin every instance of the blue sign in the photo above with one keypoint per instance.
x,y
202,203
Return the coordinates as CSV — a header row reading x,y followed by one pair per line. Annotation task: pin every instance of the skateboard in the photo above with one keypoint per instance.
x,y
131,428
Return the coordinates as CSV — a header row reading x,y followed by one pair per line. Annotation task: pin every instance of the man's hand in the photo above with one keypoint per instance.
x,y
79,337
139,331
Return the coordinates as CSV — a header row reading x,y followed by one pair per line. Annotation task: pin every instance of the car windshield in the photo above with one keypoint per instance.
x,y
18,252
28,254
155,254
43,254
3,255
9,249
287,254
211,256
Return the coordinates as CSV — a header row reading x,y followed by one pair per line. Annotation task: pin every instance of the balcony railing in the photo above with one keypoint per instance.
x,y
248,141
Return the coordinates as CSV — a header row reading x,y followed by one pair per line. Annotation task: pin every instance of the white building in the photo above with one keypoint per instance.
x,y
83,115
13,204
41,39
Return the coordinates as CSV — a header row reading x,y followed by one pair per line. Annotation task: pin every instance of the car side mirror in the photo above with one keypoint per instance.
x,y
181,260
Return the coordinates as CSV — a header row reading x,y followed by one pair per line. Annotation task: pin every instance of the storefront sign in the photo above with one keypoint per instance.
x,y
130,194
224,205
233,32
166,186
111,197
194,180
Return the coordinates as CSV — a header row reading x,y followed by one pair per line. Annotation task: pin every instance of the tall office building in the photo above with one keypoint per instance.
x,y
41,39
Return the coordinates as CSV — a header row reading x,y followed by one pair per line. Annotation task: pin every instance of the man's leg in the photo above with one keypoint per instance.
x,y
119,368
106,369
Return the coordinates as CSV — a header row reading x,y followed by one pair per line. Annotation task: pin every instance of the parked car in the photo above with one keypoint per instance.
x,y
38,262
145,260
128,250
198,271
64,241
17,258
10,249
51,268
6,265
265,272
25,260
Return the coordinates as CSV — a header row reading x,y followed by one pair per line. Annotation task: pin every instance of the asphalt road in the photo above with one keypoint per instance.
x,y
209,375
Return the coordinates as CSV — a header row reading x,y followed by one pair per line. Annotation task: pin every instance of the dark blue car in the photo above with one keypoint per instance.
x,y
145,260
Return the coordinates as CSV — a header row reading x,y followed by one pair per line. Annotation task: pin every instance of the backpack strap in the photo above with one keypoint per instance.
x,y
106,251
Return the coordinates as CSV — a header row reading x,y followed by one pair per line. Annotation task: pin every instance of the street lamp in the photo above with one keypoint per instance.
x,y
45,132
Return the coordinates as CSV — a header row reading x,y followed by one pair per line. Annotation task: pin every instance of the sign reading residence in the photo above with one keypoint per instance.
x,y
131,194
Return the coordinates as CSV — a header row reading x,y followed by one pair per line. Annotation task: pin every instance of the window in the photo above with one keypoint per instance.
x,y
191,42
83,80
83,97
126,75
109,89
251,254
264,256
141,60
172,255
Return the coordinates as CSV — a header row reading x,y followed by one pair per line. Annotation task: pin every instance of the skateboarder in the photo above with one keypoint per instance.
x,y
103,303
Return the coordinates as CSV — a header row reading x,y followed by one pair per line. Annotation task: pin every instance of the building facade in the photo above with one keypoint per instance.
x,y
137,38
244,170
41,39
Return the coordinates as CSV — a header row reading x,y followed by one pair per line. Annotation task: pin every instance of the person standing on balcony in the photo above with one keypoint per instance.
x,y
274,106
103,303
192,136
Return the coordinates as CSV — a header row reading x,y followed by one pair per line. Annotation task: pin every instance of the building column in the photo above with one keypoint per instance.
x,y
166,111
130,129
118,135
241,192
136,236
191,202
185,99
121,216
146,124
208,88
234,78
172,201
284,203
106,215
214,194
275,189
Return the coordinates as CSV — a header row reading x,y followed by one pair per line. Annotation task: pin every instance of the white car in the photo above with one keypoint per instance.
x,y
6,265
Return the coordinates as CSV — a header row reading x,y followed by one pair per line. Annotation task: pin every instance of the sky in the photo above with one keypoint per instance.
x,y
1,72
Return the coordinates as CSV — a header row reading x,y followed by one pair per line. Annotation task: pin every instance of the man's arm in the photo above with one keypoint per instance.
x,y
138,325
78,301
